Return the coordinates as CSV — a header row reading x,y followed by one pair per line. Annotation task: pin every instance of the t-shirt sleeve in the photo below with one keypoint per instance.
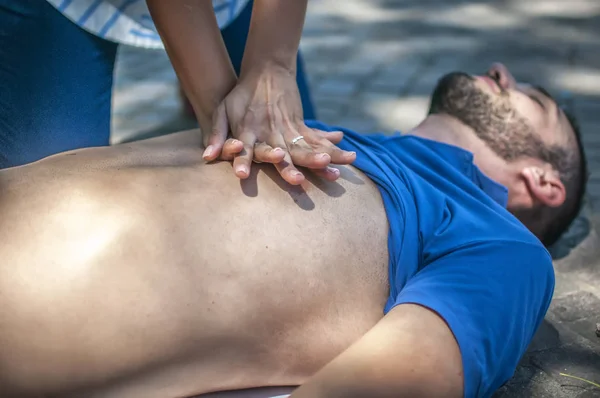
x,y
493,296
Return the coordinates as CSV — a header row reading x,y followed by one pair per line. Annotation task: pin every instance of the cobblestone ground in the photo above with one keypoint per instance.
x,y
372,65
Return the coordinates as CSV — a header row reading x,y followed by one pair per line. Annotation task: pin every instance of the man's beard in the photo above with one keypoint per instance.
x,y
493,120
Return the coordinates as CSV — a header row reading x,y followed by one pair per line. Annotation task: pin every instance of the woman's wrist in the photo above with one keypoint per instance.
x,y
268,67
206,103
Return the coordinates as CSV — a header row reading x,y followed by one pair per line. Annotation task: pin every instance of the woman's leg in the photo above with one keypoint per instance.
x,y
55,83
235,36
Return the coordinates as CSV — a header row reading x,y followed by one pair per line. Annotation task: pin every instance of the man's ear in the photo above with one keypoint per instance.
x,y
544,185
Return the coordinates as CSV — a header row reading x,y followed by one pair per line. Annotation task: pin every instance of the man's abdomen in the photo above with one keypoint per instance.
x,y
181,280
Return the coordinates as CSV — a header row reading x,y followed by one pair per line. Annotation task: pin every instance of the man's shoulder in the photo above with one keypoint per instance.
x,y
494,234
449,223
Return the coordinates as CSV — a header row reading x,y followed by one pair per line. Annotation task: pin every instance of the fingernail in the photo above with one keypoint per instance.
x,y
208,151
296,174
277,150
351,153
242,170
333,170
324,156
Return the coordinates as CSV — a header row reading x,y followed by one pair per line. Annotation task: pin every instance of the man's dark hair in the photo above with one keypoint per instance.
x,y
570,162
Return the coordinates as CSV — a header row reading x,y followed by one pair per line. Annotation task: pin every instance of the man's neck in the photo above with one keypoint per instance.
x,y
449,130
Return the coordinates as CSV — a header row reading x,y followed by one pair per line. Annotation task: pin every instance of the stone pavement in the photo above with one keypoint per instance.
x,y
372,65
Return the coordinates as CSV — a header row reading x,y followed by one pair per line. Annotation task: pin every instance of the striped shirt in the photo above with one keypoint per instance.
x,y
128,21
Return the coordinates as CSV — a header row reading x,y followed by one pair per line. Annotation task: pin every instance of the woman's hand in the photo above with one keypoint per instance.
x,y
264,114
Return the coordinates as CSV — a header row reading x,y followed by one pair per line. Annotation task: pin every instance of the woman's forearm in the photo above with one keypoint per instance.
x,y
192,38
274,37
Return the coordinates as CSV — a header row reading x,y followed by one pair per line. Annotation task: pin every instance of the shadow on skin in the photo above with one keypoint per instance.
x,y
298,193
348,175
262,392
332,189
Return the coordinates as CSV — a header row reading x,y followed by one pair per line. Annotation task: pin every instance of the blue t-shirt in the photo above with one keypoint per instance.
x,y
454,248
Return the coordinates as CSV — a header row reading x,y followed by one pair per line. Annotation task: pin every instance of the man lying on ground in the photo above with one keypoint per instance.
x,y
129,271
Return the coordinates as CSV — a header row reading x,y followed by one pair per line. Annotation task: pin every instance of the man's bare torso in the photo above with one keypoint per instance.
x,y
138,270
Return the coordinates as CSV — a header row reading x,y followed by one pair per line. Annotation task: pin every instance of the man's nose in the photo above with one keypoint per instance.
x,y
501,74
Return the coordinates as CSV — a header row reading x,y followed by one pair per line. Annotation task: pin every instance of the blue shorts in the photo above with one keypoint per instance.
x,y
56,81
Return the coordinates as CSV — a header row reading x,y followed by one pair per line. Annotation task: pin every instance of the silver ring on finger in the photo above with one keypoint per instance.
x,y
295,140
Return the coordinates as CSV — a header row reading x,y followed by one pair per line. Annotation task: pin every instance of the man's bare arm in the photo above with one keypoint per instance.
x,y
411,352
